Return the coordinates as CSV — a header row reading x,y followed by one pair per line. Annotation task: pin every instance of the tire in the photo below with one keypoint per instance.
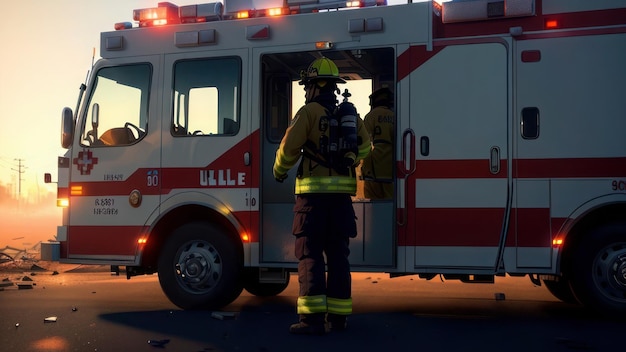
x,y
253,286
561,290
598,277
200,267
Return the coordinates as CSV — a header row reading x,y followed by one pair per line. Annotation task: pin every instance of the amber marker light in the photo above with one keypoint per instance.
x,y
63,202
142,240
275,11
76,190
557,242
242,15
244,237
323,45
552,24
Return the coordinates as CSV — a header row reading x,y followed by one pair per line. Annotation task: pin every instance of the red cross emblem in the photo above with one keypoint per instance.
x,y
85,162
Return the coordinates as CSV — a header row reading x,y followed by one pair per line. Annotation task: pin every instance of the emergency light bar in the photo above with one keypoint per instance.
x,y
304,6
201,13
167,13
277,11
476,10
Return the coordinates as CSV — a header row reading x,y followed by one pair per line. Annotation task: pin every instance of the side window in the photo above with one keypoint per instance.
x,y
206,97
118,107
530,123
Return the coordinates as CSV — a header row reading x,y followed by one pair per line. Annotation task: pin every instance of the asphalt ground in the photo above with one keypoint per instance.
x,y
86,308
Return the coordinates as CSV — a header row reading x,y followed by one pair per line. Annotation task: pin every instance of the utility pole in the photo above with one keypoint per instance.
x,y
20,170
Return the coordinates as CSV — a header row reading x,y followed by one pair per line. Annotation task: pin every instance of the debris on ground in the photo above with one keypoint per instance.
x,y
158,343
223,315
50,320
37,268
24,286
18,256
5,258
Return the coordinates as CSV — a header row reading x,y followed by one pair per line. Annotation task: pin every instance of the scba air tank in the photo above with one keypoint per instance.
x,y
347,120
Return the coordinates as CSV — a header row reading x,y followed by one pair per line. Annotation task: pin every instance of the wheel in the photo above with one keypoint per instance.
x,y
598,276
200,267
252,284
561,289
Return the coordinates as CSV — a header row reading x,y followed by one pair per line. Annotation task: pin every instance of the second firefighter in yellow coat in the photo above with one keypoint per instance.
x,y
324,219
377,168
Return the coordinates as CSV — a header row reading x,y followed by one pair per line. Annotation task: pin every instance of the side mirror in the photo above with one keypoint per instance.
x,y
47,178
67,128
95,116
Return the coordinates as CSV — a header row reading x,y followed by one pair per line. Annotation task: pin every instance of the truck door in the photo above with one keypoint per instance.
x,y
206,141
115,162
459,189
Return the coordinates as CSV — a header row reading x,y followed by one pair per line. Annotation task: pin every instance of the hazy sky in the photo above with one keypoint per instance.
x,y
47,48
46,52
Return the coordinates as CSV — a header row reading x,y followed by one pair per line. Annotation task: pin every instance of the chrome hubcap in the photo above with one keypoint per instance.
x,y
198,267
610,271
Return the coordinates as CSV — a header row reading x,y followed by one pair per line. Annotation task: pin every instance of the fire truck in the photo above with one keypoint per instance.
x,y
510,155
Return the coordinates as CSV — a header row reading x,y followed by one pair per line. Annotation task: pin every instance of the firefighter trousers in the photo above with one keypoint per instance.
x,y
323,224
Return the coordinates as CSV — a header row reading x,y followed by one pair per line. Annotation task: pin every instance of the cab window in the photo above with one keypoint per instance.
x,y
206,97
117,113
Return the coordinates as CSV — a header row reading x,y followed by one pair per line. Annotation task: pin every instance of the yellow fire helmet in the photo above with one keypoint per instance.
x,y
321,70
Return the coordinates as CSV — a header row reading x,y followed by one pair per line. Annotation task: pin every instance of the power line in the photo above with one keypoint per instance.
x,y
8,164
20,170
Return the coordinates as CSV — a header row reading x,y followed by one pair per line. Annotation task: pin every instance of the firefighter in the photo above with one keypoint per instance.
x,y
324,219
377,168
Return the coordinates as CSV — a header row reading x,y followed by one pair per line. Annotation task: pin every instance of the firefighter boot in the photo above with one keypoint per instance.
x,y
310,324
337,322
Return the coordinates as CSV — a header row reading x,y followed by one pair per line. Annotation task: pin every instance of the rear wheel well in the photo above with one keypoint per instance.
x,y
590,221
176,218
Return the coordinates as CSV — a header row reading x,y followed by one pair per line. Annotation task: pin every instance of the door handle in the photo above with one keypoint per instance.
x,y
494,160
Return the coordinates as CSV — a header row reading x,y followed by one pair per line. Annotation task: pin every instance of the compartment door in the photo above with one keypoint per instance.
x,y
460,116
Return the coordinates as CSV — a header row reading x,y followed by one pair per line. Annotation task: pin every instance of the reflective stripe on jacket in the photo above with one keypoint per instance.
x,y
315,178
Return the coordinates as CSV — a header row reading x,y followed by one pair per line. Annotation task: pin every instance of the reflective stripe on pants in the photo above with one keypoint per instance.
x,y
312,304
339,306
